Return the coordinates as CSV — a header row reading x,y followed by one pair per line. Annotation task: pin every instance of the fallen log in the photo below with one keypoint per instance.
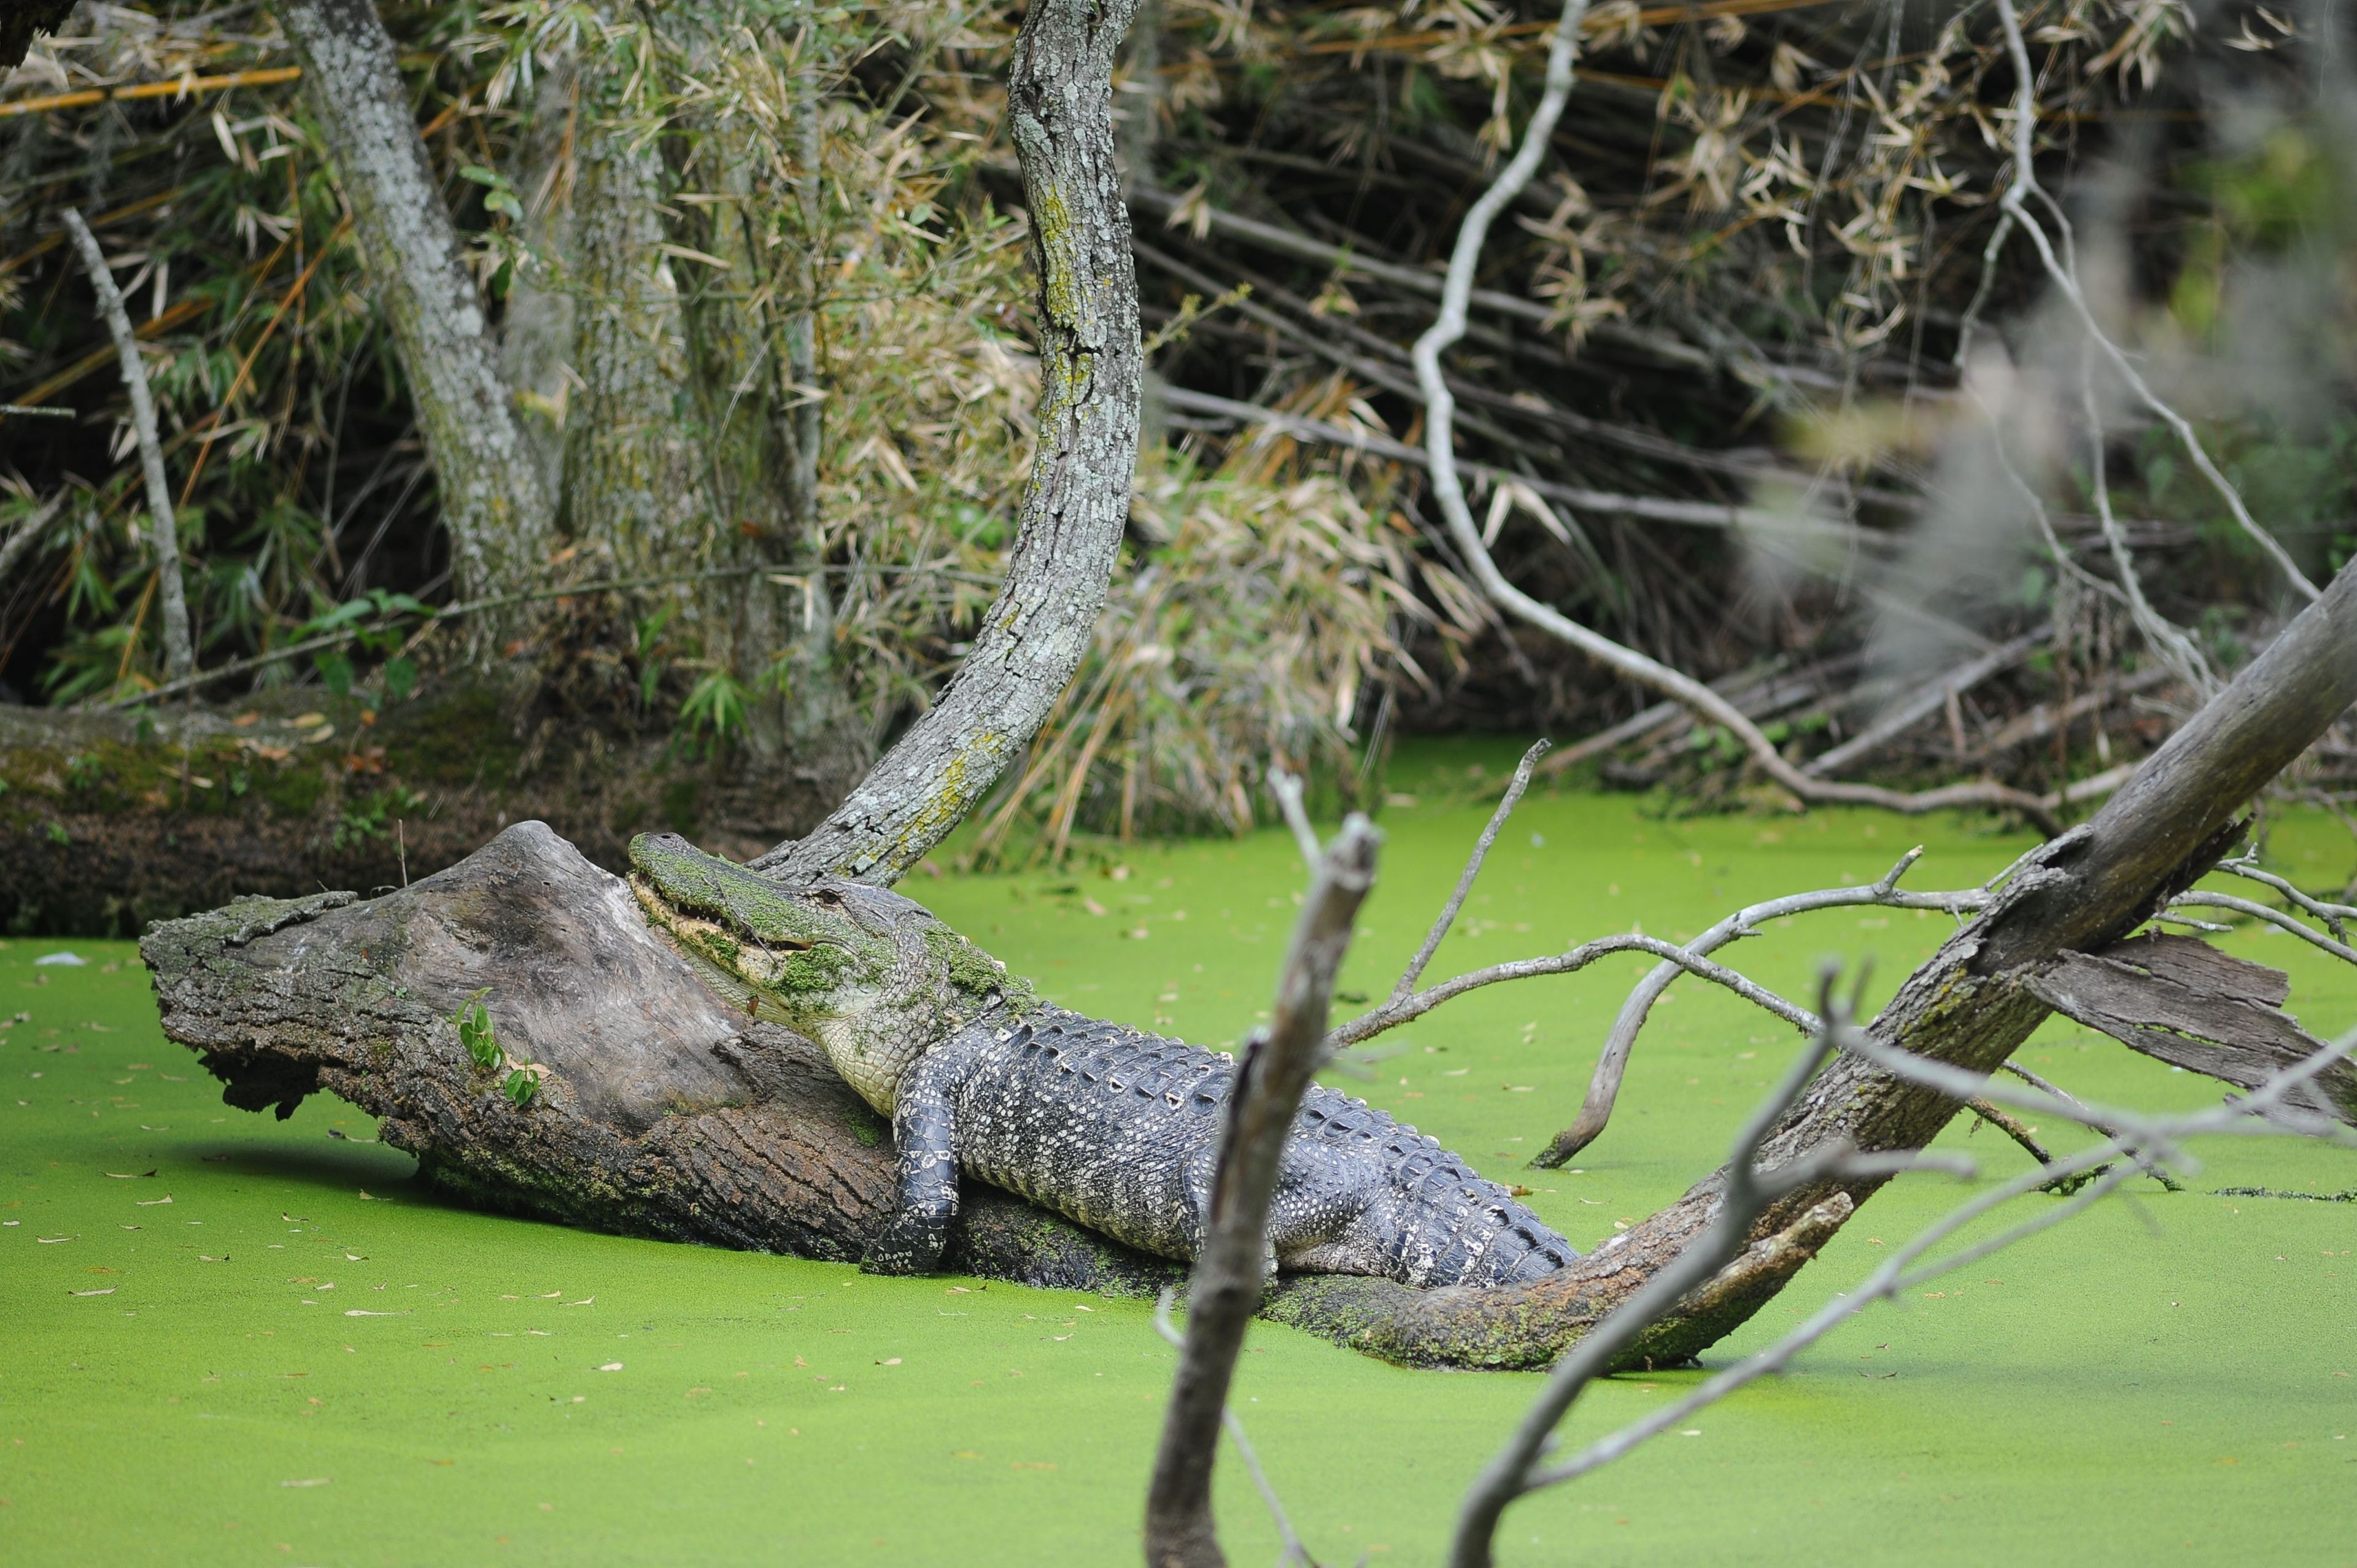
x,y
658,1109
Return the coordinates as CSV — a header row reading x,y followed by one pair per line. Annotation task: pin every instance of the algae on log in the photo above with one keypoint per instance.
x,y
661,1113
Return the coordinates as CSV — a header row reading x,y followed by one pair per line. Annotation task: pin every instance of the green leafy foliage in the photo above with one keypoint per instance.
x,y
473,1021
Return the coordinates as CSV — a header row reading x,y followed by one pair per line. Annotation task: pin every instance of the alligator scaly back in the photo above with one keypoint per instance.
x,y
1111,1126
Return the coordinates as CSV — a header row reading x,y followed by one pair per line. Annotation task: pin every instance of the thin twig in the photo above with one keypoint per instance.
x,y
2064,276
2167,639
2332,915
1287,790
1447,917
2094,1123
1923,704
1392,1015
1612,1062
2275,918
27,530
1294,1550
179,657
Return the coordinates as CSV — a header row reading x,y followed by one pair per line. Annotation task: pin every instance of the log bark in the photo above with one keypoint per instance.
x,y
2181,1001
661,1113
1076,503
496,509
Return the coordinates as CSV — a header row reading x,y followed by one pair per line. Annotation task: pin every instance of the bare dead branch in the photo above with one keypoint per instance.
x,y
1448,491
2065,279
1447,917
1233,1266
1294,1550
2088,1120
2275,918
1501,1485
1925,702
2331,914
1612,1063
1392,1015
1287,790
179,652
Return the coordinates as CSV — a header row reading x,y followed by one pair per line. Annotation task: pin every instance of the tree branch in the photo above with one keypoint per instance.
x,y
1612,1064
1233,1266
1448,491
1432,939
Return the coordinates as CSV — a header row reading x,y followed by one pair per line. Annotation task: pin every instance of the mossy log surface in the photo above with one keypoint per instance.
x,y
662,1112
109,821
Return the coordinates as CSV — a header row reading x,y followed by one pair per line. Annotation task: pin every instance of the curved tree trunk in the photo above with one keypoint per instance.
x,y
1077,501
496,509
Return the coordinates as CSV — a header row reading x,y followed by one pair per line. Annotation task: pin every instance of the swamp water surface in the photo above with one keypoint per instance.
x,y
232,1340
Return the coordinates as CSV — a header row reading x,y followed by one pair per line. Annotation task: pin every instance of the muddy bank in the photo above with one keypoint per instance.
x,y
110,821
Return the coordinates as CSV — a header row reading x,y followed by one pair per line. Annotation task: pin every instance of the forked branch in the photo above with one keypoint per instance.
x,y
1519,1468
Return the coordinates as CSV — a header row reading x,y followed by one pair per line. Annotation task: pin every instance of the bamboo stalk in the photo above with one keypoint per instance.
x,y
180,656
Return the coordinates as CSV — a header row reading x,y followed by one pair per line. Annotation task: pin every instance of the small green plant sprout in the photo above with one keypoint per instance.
x,y
524,1084
474,1024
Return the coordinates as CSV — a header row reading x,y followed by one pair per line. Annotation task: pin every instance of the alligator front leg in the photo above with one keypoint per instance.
x,y
924,1136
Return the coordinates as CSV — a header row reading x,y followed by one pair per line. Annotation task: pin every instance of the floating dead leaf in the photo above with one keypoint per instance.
x,y
51,1240
153,1202
129,1175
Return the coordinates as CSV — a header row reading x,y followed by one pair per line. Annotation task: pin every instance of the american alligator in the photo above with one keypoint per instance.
x,y
1111,1126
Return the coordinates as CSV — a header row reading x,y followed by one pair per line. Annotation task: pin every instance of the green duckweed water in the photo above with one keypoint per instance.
x,y
231,1340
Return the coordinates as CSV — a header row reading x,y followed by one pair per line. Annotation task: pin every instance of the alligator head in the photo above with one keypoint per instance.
x,y
873,977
